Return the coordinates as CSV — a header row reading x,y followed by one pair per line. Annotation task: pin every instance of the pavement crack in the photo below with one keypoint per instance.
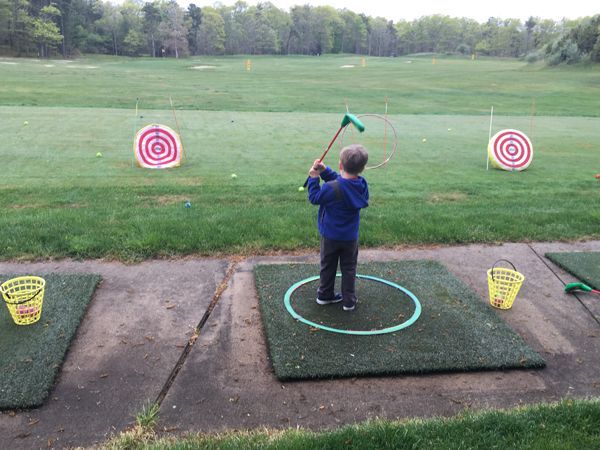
x,y
564,284
233,264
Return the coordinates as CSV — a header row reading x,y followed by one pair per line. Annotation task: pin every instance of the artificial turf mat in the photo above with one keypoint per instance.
x,y
457,330
583,265
31,355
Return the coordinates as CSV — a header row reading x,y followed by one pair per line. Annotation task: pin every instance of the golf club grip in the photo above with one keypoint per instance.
x,y
306,182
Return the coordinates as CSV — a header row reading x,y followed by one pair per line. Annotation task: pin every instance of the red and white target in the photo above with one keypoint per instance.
x,y
157,147
510,150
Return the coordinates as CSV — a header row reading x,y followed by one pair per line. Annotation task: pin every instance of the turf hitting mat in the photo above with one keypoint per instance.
x,y
583,265
456,331
31,355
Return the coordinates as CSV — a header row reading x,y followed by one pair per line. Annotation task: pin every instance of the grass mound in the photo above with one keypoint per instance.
x,y
583,265
456,331
31,355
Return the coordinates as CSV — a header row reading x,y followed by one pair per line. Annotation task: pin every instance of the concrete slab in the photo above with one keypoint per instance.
x,y
134,331
227,381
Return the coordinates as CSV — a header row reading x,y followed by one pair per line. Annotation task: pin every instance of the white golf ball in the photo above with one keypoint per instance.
x,y
233,175
424,140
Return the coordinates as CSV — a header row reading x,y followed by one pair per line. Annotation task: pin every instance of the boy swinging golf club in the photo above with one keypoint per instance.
x,y
340,200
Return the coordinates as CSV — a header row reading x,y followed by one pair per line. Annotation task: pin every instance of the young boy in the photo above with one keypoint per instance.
x,y
340,200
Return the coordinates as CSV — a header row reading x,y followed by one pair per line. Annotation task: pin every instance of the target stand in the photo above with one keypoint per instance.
x,y
157,147
510,150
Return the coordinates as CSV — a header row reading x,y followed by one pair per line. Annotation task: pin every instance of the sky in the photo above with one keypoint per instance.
x,y
475,9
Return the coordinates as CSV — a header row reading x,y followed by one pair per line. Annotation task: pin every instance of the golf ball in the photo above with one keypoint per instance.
x,y
449,129
424,140
233,175
98,155
25,123
301,188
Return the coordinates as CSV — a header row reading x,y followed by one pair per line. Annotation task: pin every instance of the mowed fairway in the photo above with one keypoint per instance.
x,y
59,199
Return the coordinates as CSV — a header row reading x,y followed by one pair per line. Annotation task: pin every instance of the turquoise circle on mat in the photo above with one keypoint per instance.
x,y
288,305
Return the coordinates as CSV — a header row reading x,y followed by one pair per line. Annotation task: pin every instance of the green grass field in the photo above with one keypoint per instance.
x,y
304,84
570,424
267,126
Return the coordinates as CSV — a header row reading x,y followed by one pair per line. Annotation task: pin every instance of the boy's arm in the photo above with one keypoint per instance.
x,y
318,195
329,174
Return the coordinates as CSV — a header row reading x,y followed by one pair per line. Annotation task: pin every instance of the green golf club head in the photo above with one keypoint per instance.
x,y
577,286
351,118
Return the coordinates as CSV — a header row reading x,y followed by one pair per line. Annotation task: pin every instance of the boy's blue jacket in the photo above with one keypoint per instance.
x,y
339,219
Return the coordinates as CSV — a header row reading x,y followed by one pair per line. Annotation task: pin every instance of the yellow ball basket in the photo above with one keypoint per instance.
x,y
24,297
503,285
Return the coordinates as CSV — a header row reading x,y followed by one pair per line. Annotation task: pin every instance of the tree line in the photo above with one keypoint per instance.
x,y
163,28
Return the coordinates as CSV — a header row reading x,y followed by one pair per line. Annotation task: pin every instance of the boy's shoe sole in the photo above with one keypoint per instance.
x,y
350,308
336,299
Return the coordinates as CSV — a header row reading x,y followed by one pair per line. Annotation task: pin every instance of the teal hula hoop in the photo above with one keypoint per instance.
x,y
288,305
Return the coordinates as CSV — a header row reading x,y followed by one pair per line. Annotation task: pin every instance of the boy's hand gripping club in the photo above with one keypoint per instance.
x,y
348,118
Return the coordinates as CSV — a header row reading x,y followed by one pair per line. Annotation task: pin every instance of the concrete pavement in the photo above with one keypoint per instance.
x,y
132,347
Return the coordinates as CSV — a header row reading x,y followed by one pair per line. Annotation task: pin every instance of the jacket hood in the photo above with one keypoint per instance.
x,y
356,192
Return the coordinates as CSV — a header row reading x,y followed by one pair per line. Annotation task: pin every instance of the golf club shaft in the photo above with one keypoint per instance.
x,y
327,150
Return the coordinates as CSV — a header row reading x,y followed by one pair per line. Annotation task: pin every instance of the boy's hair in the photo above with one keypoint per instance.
x,y
354,158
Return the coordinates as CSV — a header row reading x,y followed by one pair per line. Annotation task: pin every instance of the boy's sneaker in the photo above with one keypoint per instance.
x,y
327,301
350,308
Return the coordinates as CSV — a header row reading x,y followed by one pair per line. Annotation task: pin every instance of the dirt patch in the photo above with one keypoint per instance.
x,y
164,200
34,205
445,197
191,181
28,206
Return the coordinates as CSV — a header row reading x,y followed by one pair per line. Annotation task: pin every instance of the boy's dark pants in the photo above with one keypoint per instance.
x,y
347,253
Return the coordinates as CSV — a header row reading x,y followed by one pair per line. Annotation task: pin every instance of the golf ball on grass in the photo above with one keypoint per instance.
x,y
424,140
234,176
25,123
301,188
98,155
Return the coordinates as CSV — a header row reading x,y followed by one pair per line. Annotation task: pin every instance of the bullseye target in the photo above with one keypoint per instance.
x,y
157,147
510,150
